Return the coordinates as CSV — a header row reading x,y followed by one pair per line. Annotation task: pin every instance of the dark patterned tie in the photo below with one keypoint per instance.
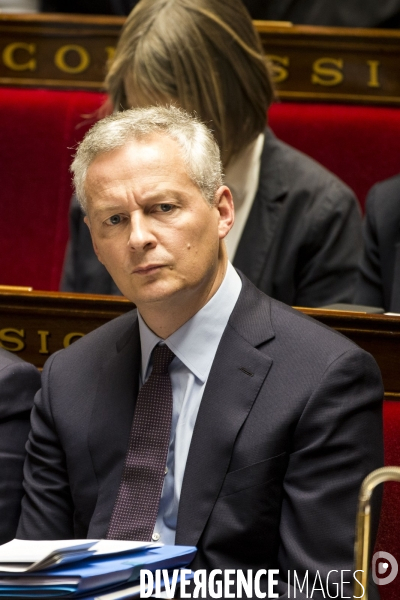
x,y
136,507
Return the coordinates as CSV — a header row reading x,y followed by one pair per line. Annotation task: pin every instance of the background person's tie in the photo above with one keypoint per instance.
x,y
136,507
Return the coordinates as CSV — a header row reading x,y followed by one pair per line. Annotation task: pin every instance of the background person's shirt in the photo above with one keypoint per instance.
x,y
242,178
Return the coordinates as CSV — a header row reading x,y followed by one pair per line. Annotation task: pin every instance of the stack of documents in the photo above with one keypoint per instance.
x,y
96,569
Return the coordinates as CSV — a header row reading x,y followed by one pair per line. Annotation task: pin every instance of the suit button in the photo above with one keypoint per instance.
x,y
155,537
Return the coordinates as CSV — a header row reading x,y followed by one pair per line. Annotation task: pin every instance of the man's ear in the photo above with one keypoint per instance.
x,y
224,205
87,221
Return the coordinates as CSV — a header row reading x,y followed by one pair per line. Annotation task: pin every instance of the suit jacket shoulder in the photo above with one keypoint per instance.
x,y
95,347
293,167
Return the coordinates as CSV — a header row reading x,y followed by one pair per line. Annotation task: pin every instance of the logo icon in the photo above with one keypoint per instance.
x,y
384,568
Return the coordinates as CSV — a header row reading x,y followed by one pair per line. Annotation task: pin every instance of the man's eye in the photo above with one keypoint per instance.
x,y
114,220
165,207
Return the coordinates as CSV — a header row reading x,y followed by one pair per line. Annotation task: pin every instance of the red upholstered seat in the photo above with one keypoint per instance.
x,y
389,527
38,128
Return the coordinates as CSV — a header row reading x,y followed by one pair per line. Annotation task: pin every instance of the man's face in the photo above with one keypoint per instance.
x,y
151,227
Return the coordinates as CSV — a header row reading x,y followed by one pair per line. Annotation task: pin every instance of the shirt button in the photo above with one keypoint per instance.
x,y
155,537
165,470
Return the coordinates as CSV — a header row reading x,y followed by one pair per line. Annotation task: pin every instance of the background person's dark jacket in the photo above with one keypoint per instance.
x,y
379,279
19,381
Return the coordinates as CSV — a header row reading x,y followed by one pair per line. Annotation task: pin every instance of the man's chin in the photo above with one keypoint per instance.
x,y
156,293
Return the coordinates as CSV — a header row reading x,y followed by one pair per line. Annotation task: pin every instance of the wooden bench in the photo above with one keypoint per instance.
x,y
36,324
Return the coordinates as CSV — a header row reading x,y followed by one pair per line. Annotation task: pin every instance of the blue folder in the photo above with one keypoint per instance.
x,y
81,578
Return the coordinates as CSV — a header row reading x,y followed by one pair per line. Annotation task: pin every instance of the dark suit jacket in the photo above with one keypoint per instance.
x,y
335,13
288,427
379,278
19,381
301,244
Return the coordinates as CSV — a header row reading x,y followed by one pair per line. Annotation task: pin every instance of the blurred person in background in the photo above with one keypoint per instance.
x,y
297,232
19,6
332,13
339,13
379,280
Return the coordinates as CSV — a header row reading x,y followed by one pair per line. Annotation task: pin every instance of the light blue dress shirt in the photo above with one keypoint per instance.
x,y
194,345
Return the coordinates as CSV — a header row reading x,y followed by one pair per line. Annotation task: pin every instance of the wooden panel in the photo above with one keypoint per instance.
x,y
56,50
309,63
334,64
35,324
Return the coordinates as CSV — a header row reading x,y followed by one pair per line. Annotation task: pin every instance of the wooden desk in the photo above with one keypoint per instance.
x,y
308,63
35,324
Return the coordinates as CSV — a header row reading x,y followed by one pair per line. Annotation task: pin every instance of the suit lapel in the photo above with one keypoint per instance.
x,y
254,246
237,374
111,424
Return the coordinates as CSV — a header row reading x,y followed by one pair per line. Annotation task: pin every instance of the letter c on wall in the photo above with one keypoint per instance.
x,y
9,57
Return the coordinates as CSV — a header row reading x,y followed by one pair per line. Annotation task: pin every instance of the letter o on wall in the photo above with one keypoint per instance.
x,y
60,56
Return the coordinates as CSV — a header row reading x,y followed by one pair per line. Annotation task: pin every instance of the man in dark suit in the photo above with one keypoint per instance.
x,y
19,381
297,233
379,279
276,418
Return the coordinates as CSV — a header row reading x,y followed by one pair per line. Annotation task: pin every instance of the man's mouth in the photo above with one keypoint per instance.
x,y
147,269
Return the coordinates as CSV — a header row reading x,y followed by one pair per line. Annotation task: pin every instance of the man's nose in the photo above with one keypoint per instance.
x,y
141,236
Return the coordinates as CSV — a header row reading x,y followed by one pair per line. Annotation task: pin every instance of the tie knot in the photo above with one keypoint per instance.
x,y
162,358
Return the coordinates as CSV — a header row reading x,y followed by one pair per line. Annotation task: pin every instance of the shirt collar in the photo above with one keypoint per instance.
x,y
242,174
196,342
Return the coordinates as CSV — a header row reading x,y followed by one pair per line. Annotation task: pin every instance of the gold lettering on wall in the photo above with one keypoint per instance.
x,y
44,348
70,337
60,58
17,343
373,73
277,67
110,50
324,72
9,57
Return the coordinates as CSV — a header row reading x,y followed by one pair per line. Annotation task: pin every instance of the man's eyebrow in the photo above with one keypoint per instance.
x,y
163,194
167,194
107,208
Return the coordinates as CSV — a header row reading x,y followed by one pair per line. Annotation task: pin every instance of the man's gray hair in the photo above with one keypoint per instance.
x,y
199,150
